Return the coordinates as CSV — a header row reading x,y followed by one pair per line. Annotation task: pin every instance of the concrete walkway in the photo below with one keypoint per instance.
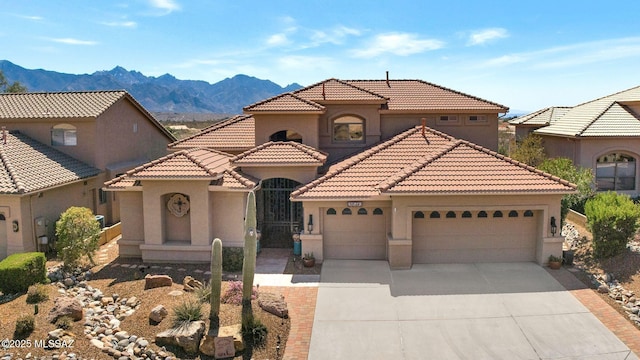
x,y
453,311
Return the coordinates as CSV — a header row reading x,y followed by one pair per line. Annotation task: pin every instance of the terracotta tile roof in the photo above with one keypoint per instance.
x,y
338,90
471,169
27,165
286,102
236,180
235,134
542,117
285,153
606,116
433,163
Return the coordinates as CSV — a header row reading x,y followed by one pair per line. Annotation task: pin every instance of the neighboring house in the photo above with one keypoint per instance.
x,y
366,169
58,150
602,134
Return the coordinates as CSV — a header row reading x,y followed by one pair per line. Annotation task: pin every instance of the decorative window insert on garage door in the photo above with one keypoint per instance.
x,y
496,235
355,233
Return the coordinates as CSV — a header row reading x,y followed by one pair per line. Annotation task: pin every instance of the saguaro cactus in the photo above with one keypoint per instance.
x,y
216,278
250,244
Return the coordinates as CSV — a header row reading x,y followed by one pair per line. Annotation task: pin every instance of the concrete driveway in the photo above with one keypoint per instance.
x,y
453,311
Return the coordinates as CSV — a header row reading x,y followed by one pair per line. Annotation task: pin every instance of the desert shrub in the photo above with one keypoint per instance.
x,y
187,311
254,331
37,293
232,259
203,294
64,322
24,326
78,234
19,271
613,221
582,177
529,150
233,294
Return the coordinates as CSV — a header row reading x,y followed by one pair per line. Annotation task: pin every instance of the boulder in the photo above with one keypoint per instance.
x,y
156,281
273,304
158,314
186,336
207,346
603,289
65,306
191,284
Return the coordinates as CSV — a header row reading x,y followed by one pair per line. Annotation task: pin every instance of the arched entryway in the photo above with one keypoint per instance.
x,y
286,135
278,216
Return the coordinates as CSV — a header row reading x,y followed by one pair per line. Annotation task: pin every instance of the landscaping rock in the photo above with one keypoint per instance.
x,y
156,281
273,304
65,306
603,289
158,313
187,336
191,284
207,346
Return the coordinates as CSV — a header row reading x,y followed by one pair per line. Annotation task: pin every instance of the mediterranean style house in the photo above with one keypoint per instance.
x,y
400,170
602,134
57,150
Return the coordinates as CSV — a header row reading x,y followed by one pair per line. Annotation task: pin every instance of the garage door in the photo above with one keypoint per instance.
x,y
355,233
474,236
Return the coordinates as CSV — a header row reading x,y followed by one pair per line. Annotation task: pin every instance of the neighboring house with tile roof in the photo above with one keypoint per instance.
x,y
60,148
602,134
397,170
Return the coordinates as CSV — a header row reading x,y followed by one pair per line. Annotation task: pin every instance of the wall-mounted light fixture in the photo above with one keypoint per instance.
x,y
554,227
310,224
15,225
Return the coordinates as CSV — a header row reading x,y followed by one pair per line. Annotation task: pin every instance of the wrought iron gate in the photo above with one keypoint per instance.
x,y
278,217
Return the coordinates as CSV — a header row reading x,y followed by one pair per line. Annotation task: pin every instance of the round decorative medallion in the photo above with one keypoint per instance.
x,y
178,205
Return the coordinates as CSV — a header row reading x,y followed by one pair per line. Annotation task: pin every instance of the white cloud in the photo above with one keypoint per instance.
x,y
31,17
337,35
72,41
483,36
125,24
277,40
402,44
166,6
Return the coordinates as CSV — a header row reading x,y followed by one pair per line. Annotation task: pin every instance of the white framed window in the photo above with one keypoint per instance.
x,y
477,119
447,119
348,129
64,135
615,171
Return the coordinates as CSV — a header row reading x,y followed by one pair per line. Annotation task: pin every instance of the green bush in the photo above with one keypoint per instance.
x,y
254,331
232,259
24,326
582,177
187,311
37,293
78,234
19,271
64,322
613,221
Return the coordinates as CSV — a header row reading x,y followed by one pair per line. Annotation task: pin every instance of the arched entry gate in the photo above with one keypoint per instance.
x,y
278,217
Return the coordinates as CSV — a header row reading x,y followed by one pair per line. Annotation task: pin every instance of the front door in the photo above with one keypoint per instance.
x,y
278,217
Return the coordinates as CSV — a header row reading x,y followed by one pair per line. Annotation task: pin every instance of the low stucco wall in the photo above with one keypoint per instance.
x,y
577,218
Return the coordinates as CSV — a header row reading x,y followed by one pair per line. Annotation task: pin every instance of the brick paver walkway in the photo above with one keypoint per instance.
x,y
301,302
612,319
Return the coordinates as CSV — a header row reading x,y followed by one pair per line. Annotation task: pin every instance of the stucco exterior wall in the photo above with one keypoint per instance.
x,y
555,146
227,210
304,124
132,225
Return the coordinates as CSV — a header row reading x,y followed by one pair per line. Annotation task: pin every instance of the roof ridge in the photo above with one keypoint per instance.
x,y
251,151
595,118
213,127
606,96
308,102
529,116
241,177
10,169
311,151
343,82
63,92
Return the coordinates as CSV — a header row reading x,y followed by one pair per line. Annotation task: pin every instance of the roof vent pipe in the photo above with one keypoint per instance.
x,y
323,93
4,135
424,125
387,77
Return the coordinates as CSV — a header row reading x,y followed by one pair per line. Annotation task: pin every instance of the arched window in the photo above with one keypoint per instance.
x,y
616,171
434,215
451,215
362,211
331,211
466,214
513,213
346,211
418,215
482,214
497,213
286,135
528,213
63,135
377,211
348,129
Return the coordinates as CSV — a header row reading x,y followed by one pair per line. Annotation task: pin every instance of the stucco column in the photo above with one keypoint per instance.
x,y
200,217
153,218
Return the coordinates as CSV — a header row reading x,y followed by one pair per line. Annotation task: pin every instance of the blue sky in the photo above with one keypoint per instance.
x,y
523,54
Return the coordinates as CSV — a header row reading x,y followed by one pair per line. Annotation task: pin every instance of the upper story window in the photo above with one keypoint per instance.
x,y
476,119
447,119
616,171
64,135
348,129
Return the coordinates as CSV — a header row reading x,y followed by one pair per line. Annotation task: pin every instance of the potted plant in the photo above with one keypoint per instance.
x,y
309,260
555,262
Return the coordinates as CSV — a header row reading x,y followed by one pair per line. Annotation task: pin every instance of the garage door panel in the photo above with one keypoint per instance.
x,y
355,237
465,240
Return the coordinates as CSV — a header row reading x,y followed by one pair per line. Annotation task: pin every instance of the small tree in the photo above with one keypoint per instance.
x,y
582,177
77,233
529,151
613,221
14,87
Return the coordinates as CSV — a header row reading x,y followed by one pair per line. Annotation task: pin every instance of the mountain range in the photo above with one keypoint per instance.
x,y
157,94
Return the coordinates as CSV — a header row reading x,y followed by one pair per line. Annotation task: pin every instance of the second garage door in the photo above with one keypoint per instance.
x,y
474,236
355,233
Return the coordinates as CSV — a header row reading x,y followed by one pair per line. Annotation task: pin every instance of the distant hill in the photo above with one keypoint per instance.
x,y
157,94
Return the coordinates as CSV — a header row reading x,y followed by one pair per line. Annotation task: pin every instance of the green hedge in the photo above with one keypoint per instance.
x,y
232,259
19,271
613,221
